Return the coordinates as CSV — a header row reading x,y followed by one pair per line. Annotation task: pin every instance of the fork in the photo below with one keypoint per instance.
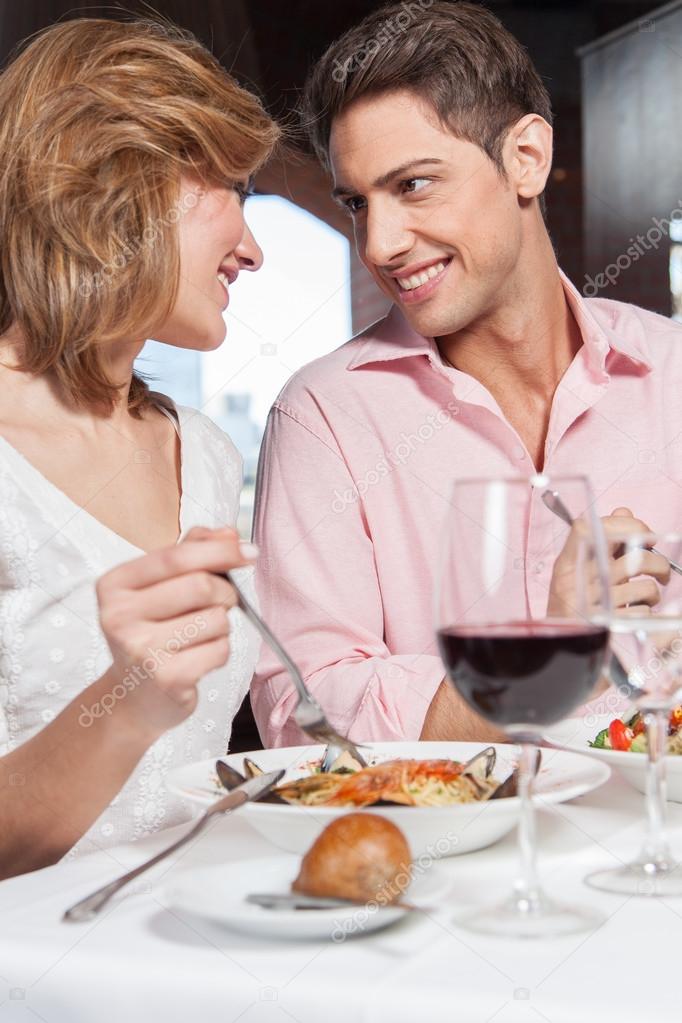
x,y
615,667
552,500
308,715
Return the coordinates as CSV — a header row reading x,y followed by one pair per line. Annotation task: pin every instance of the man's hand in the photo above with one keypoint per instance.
x,y
634,579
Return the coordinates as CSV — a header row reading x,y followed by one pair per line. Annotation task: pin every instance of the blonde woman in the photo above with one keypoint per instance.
x,y
125,152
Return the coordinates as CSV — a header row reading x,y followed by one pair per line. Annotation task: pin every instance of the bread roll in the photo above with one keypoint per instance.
x,y
359,856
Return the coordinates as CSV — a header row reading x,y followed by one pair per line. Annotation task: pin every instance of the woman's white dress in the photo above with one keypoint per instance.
x,y
51,646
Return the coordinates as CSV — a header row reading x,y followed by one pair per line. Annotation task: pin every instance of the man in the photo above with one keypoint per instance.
x,y
490,363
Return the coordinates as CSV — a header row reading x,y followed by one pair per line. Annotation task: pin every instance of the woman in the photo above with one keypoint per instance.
x,y
125,152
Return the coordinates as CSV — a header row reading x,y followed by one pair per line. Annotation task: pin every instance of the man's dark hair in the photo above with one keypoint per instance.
x,y
457,57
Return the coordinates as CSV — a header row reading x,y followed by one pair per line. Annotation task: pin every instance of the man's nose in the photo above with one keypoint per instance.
x,y
386,236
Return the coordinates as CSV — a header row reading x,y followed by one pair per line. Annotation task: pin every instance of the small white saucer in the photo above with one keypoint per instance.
x,y
217,893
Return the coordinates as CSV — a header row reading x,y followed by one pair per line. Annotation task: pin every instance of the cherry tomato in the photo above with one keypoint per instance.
x,y
620,736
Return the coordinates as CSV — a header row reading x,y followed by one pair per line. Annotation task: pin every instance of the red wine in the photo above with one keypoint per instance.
x,y
524,673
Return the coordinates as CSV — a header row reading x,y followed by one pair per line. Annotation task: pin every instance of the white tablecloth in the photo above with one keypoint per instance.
x,y
142,961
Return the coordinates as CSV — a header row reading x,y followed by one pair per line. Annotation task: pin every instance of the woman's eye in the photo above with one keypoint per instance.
x,y
355,203
415,184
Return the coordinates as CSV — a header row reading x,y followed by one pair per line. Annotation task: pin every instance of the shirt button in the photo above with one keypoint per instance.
x,y
520,453
538,567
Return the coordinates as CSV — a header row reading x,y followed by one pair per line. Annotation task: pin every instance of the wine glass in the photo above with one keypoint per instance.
x,y
648,640
522,620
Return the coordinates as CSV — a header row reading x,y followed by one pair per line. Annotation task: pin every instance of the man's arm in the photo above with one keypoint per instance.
x,y
448,717
319,590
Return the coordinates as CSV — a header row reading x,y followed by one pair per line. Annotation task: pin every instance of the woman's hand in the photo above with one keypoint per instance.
x,y
635,578
165,618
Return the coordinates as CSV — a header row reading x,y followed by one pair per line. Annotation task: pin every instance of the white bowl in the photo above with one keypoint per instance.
x,y
430,831
577,733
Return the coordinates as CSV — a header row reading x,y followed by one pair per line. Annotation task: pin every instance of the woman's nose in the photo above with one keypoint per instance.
x,y
249,252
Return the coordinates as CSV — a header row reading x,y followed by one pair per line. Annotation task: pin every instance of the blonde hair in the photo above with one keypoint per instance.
x,y
98,120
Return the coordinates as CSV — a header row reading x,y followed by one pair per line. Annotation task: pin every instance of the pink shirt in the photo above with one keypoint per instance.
x,y
358,458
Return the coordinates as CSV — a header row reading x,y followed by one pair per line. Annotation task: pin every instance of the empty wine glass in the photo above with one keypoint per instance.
x,y
522,620
647,638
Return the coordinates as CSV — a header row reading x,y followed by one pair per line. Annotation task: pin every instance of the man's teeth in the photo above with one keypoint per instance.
x,y
223,279
409,283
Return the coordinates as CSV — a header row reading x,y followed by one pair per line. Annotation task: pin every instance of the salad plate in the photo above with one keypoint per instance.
x,y
596,735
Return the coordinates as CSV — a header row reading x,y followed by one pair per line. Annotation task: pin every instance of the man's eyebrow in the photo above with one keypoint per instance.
x,y
385,179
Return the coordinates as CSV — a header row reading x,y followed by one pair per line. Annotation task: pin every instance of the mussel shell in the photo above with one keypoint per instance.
x,y
510,786
228,776
482,764
270,797
251,769
479,770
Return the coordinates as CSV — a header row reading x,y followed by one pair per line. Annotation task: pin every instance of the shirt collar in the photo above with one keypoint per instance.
x,y
605,329
389,339
393,338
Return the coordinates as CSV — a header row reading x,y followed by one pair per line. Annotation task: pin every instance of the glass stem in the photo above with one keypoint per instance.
x,y
527,889
656,850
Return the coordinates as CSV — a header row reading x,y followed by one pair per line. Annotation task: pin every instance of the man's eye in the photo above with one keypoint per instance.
x,y
355,203
415,184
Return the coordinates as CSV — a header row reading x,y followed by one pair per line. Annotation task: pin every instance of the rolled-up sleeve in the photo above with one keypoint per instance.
x,y
319,590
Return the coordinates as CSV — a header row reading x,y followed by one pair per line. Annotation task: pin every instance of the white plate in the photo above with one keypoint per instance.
x,y
576,733
430,831
218,893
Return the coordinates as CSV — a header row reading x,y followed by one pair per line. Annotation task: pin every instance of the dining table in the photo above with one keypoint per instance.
x,y
144,959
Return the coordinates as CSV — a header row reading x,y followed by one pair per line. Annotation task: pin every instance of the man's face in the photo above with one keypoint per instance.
x,y
435,223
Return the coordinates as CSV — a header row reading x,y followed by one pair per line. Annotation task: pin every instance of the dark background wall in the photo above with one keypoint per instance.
x,y
632,96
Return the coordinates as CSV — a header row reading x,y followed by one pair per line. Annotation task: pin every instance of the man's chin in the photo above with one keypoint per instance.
x,y
431,323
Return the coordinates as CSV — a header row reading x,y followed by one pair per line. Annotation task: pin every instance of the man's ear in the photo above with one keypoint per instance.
x,y
527,155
